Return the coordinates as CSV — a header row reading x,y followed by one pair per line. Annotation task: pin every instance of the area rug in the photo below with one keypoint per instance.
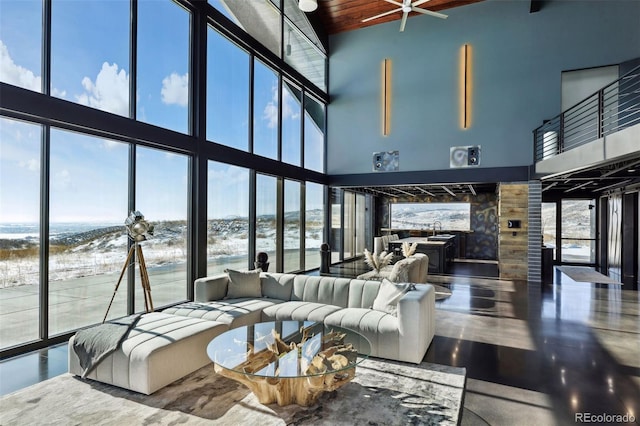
x,y
441,292
587,275
382,393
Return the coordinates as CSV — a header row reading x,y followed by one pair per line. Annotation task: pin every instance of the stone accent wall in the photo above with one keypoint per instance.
x,y
513,204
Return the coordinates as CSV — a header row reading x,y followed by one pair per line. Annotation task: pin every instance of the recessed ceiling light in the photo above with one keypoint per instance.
x,y
631,170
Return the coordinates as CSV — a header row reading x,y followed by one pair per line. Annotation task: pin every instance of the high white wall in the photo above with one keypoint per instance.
x,y
577,85
517,60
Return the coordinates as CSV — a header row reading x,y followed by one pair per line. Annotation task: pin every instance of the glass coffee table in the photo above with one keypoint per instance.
x,y
289,362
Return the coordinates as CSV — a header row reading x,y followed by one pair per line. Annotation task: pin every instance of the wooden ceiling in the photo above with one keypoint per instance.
x,y
345,15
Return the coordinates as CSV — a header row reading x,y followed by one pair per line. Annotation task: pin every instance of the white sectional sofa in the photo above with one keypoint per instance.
x,y
159,350
404,335
165,346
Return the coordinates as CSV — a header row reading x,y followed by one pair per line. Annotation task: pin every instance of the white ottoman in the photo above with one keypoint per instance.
x,y
161,349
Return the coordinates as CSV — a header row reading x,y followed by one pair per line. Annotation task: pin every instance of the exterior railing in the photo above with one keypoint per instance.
x,y
607,111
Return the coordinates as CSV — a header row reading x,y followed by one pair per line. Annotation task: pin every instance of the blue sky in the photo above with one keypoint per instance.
x,y
90,66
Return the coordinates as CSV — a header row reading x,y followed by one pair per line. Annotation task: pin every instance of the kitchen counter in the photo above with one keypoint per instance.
x,y
440,249
460,242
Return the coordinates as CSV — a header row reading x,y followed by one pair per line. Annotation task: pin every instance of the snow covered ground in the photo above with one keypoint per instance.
x,y
104,250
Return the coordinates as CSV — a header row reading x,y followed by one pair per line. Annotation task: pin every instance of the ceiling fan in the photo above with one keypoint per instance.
x,y
405,7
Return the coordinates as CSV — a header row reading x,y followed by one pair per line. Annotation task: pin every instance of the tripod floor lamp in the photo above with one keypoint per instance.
x,y
138,230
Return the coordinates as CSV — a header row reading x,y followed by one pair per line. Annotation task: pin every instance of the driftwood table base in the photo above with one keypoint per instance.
x,y
311,360
303,391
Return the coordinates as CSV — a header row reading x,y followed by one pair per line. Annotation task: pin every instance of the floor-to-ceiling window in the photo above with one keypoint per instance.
x,y
21,44
266,217
87,239
291,112
335,237
90,53
227,92
292,238
163,64
549,226
266,120
349,224
20,168
162,196
314,224
180,117
360,222
227,217
354,224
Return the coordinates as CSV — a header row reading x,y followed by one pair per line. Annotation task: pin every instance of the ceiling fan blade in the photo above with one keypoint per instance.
x,y
419,2
404,21
428,12
381,15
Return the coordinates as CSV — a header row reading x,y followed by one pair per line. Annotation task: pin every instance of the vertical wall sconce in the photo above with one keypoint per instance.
x,y
386,97
465,86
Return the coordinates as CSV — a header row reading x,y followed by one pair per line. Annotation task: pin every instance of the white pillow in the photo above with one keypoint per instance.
x,y
243,284
388,296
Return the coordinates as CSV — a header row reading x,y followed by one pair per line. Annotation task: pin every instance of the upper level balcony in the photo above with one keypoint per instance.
x,y
593,146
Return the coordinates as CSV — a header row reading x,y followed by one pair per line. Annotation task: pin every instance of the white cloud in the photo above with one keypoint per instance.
x,y
14,74
110,92
270,113
33,165
229,175
175,89
59,93
290,108
109,144
141,113
61,180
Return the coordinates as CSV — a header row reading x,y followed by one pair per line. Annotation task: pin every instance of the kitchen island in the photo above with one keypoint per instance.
x,y
440,249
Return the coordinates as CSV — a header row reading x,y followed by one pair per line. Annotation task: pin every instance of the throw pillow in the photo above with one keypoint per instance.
x,y
388,296
243,284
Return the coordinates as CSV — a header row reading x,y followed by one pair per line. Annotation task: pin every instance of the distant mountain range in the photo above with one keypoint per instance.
x,y
103,249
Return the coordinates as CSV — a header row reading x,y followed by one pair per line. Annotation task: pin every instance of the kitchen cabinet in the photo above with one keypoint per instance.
x,y
441,250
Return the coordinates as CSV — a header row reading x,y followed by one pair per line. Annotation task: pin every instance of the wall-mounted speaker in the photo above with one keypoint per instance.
x,y
464,156
387,161
473,157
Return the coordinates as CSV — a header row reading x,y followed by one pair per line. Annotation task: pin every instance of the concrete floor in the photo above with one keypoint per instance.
x,y
541,355
538,355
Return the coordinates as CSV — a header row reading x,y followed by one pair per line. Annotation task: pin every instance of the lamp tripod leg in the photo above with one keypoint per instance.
x,y
144,281
115,290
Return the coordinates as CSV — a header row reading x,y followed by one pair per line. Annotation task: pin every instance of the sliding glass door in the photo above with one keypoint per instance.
x,y
549,226
353,224
578,231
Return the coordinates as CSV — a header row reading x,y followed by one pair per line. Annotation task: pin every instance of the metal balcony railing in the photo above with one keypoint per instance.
x,y
607,111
